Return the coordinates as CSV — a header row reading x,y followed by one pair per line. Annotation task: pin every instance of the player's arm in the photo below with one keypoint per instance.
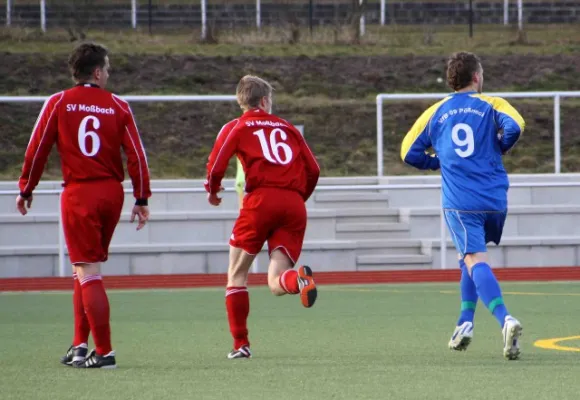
x,y
509,122
311,166
44,135
137,166
223,150
418,141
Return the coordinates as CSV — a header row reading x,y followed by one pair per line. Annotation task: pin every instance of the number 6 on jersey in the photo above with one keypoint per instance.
x,y
83,134
275,147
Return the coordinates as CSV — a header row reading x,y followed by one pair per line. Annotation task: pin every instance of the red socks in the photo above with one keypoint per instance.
x,y
97,309
289,281
81,322
238,308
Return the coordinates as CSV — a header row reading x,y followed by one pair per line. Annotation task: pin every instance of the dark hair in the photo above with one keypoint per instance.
x,y
460,69
85,58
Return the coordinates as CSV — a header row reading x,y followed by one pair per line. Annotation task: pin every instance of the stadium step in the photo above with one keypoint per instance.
x,y
351,200
372,230
398,261
389,247
357,215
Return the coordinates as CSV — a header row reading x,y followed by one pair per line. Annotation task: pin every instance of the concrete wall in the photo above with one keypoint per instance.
x,y
347,230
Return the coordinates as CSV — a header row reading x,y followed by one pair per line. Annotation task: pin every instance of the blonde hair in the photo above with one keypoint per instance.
x,y
250,91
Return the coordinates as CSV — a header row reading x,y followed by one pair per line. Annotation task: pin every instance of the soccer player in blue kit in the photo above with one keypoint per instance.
x,y
469,132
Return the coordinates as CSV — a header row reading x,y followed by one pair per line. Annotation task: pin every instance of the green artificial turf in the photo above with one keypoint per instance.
x,y
357,342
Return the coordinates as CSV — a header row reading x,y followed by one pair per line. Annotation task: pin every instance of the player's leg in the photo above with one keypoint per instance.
x,y
285,246
489,287
248,236
83,220
463,332
238,301
77,352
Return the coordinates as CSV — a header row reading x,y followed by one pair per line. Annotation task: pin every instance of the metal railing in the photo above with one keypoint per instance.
x,y
442,224
557,96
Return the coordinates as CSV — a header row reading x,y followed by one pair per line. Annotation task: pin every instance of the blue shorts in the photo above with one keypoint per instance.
x,y
472,230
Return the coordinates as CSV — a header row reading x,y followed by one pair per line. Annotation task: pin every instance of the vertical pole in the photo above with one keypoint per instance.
x,y
203,19
443,236
311,15
362,20
383,12
43,15
379,136
520,15
506,7
8,12
557,145
258,15
255,265
150,17
61,244
470,18
134,14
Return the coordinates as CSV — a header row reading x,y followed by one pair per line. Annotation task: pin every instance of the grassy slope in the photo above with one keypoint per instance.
x,y
387,342
318,89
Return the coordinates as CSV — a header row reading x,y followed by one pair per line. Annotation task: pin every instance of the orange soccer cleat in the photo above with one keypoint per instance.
x,y
308,291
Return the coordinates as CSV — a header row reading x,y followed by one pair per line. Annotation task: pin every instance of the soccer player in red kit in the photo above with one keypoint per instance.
x,y
90,127
281,174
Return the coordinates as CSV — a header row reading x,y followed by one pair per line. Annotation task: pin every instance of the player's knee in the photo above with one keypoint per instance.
x,y
83,270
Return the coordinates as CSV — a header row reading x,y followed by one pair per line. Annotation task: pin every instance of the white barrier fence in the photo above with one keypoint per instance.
x,y
557,96
443,229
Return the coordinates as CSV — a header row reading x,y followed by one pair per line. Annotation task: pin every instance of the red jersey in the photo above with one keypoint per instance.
x,y
90,127
272,151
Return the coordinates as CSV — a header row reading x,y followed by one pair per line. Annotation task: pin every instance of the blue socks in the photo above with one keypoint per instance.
x,y
489,291
468,296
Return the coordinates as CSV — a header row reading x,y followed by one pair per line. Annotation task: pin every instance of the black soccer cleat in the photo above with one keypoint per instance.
x,y
95,360
242,352
74,355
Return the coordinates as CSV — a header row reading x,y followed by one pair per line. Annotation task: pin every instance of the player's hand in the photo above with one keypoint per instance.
x,y
213,198
142,213
22,204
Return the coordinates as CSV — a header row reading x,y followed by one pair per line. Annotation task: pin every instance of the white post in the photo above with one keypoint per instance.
x,y
379,136
520,15
258,14
255,265
506,6
8,12
383,12
43,15
134,14
203,19
443,238
61,244
362,21
557,151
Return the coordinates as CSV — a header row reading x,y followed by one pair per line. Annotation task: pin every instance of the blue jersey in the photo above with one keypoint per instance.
x,y
469,133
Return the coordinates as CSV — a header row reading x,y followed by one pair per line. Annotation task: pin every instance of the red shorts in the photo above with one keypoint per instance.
x,y
90,214
274,215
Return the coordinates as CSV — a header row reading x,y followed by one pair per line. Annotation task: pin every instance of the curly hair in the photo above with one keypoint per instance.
x,y
460,69
85,58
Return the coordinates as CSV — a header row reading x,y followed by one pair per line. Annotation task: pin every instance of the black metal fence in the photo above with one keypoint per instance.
x,y
179,14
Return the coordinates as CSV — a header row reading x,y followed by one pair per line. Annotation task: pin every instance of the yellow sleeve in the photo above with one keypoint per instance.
x,y
417,141
240,177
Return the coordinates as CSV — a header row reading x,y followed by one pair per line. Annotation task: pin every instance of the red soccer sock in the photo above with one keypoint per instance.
x,y
289,281
81,322
97,309
238,308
